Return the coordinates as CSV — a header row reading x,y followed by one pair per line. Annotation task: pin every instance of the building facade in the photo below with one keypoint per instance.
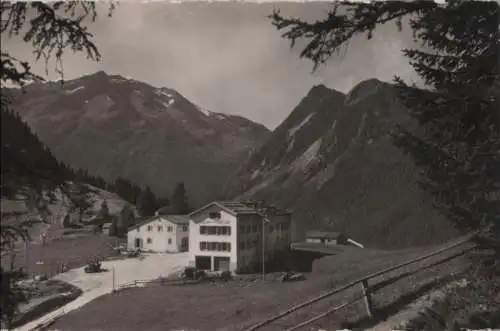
x,y
161,233
229,235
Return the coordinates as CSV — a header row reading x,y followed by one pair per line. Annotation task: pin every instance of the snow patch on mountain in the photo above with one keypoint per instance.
x,y
290,145
169,103
205,112
75,89
361,125
296,128
308,157
327,173
161,92
118,80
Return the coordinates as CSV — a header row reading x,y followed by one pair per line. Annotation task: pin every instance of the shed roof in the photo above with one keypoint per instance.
x,y
317,234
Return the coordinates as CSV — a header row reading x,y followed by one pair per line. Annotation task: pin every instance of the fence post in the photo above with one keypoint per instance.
x,y
113,269
367,297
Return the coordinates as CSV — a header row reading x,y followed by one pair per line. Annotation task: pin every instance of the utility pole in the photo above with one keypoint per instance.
x,y
26,258
263,248
264,221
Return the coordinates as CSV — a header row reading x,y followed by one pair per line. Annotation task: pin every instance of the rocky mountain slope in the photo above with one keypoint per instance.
x,y
333,163
115,126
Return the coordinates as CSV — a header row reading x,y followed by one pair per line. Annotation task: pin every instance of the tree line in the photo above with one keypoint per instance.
x,y
146,206
26,161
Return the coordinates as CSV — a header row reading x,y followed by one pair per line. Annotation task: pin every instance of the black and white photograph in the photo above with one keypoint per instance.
x,y
250,165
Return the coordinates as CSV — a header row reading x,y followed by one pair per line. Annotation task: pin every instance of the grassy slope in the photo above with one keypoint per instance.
x,y
239,304
68,246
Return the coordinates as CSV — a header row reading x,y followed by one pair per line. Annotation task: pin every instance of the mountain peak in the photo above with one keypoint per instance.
x,y
98,74
321,90
363,89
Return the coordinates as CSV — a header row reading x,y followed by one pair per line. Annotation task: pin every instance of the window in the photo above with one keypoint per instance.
x,y
242,245
149,240
150,228
185,228
224,230
215,246
254,228
170,241
169,229
214,214
215,230
160,228
243,229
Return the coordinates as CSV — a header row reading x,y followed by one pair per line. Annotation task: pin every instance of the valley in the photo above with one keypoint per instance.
x,y
238,166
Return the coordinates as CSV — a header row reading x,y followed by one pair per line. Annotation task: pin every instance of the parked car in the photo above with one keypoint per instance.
x,y
291,276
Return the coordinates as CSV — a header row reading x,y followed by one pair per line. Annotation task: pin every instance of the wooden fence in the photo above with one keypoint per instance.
x,y
365,293
159,281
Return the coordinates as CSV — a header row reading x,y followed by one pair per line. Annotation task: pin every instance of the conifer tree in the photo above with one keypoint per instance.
x,y
125,220
146,202
179,201
457,144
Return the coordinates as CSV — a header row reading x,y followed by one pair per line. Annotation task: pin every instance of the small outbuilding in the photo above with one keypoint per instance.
x,y
324,237
161,233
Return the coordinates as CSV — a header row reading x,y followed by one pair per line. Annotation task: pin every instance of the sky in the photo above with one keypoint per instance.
x,y
227,57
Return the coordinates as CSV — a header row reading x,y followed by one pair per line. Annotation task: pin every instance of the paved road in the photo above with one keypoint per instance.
x,y
96,285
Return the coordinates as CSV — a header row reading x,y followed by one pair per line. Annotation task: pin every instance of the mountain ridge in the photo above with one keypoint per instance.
x,y
120,127
334,164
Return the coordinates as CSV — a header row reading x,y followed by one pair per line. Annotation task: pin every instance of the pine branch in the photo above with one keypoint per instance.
x,y
328,36
50,28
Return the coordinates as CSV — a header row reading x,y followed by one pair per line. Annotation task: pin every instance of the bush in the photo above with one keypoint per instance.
x,y
199,274
226,275
189,272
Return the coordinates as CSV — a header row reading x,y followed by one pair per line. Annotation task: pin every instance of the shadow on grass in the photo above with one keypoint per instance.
x,y
383,313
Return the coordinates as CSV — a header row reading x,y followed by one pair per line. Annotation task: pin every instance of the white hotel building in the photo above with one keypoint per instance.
x,y
227,235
